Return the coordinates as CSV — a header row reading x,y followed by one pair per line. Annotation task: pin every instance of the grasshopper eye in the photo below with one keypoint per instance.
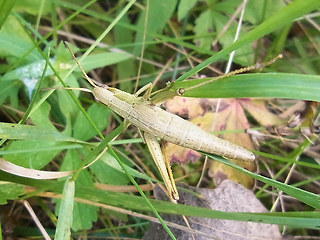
x,y
180,91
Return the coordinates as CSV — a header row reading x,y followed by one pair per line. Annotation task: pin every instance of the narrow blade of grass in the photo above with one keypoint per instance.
x,y
266,85
63,231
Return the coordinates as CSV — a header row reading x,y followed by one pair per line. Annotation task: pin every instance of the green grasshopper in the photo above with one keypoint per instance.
x,y
153,122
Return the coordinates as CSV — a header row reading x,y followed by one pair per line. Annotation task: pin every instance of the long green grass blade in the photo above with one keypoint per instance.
x,y
308,219
266,85
63,231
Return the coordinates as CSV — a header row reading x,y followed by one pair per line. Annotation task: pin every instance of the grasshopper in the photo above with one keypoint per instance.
x,y
153,122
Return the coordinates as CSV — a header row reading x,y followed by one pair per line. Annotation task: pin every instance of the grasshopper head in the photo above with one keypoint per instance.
x,y
103,95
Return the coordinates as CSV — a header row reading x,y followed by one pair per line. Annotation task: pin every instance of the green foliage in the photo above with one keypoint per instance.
x,y
279,19
10,191
6,7
99,114
65,214
125,69
103,59
83,214
184,7
63,127
267,85
33,7
157,17
14,42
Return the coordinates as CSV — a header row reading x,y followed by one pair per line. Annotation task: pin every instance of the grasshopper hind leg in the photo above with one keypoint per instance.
x,y
163,165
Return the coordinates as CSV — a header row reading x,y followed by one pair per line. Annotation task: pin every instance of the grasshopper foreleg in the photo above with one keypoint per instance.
x,y
147,88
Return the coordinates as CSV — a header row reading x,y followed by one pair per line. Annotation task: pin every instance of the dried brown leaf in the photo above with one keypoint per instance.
x,y
30,173
188,107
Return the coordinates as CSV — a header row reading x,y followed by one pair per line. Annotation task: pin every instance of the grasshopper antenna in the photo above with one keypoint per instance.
x,y
235,72
84,73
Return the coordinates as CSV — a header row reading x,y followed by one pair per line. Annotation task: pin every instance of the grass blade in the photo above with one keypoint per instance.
x,y
64,224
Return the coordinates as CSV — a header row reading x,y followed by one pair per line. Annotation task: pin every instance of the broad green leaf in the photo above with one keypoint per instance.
x,y
108,174
44,129
13,27
184,7
67,106
108,171
82,128
6,7
29,74
99,60
25,153
44,135
62,53
9,90
211,29
30,71
159,14
255,10
244,55
10,191
204,26
40,117
14,42
12,45
33,6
